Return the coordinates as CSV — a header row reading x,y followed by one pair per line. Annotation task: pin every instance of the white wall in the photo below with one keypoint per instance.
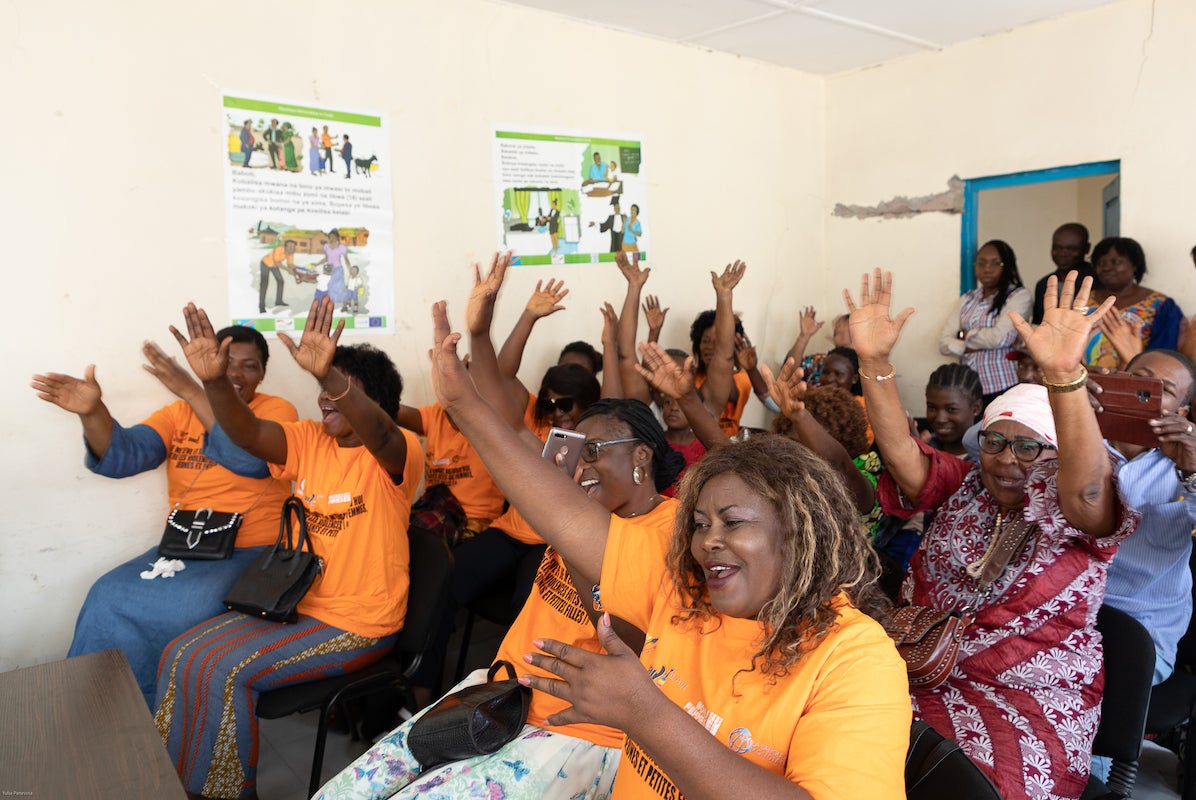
x,y
114,210
1110,83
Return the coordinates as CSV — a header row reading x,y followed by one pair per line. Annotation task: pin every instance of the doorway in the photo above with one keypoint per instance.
x,y
1025,208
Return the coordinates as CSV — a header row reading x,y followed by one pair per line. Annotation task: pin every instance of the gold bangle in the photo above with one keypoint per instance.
x,y
341,396
879,378
1070,386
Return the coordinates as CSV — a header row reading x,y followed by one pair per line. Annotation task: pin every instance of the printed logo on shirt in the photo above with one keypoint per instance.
x,y
449,476
650,773
553,584
740,741
662,675
650,643
330,525
707,718
184,454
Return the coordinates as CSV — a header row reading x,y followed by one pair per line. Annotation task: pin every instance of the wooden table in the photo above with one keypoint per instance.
x,y
79,728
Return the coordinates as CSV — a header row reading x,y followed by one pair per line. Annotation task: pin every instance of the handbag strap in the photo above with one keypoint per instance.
x,y
1008,542
501,664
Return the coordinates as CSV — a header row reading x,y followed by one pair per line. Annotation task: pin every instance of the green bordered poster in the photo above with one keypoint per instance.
x,y
570,198
308,214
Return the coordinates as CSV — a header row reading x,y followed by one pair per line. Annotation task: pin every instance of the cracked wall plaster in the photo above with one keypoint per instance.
x,y
948,202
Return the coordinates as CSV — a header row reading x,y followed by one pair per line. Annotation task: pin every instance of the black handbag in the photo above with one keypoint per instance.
x,y
936,769
202,534
272,586
475,721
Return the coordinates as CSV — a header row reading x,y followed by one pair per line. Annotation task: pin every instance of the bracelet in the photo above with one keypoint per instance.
x,y
1070,386
879,378
342,395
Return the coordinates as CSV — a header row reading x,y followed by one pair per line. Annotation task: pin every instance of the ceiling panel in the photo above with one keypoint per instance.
x,y
676,20
808,44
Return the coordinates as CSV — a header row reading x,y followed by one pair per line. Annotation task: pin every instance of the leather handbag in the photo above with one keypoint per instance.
x,y
272,586
474,721
202,534
928,639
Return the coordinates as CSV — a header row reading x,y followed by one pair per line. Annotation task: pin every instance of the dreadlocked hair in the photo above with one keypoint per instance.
x,y
957,376
823,551
667,463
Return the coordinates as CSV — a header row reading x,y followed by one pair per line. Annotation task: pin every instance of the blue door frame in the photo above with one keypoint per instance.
x,y
973,186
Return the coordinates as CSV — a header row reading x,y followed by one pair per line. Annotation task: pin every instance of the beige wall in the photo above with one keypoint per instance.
x,y
113,199
1105,84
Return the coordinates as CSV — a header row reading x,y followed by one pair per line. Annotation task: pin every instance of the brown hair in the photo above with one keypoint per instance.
x,y
824,551
837,410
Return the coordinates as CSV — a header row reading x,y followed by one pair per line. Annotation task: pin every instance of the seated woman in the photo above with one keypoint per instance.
x,y
977,330
1120,264
1023,699
761,676
203,470
625,464
356,472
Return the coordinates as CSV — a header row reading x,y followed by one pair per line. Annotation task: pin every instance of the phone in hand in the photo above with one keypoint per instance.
x,y
1129,403
568,445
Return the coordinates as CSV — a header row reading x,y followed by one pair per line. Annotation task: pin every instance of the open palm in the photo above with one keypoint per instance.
x,y
79,396
317,345
663,372
479,308
874,333
1059,343
207,357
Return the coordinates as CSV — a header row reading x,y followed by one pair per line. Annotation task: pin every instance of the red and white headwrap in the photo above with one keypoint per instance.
x,y
1025,403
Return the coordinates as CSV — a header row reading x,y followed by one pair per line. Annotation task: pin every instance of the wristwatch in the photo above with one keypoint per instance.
x,y
1186,479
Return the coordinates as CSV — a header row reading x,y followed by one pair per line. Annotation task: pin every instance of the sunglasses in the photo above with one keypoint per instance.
x,y
590,451
561,404
1024,449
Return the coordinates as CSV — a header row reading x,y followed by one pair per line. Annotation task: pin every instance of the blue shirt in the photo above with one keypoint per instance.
x,y
597,172
1149,578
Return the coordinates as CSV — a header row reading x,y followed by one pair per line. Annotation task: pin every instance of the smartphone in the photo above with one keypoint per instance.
x,y
1130,402
568,444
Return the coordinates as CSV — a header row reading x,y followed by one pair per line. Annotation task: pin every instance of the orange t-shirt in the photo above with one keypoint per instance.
x,y
259,499
512,522
276,256
357,522
837,724
554,611
732,411
451,460
326,140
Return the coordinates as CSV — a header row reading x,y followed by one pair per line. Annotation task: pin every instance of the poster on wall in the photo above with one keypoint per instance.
x,y
570,198
308,214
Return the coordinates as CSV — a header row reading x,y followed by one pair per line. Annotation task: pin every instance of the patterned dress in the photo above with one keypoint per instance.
x,y
1023,700
1161,319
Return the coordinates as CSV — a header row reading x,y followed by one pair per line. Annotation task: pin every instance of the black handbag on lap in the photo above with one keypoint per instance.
x,y
202,534
475,721
272,586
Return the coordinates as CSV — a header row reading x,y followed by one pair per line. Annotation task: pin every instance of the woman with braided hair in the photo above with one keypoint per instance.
x,y
626,462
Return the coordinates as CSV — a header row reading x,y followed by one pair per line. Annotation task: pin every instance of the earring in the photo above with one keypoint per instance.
x,y
637,475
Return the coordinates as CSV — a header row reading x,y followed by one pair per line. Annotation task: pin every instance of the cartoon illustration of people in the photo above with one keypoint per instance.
x,y
356,286
247,142
616,223
347,155
315,160
326,141
632,233
270,265
597,170
554,226
336,255
273,136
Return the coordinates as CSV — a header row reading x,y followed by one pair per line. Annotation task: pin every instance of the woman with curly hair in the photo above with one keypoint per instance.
x,y
761,675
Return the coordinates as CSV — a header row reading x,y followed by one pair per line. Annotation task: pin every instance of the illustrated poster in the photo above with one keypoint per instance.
x,y
567,198
308,214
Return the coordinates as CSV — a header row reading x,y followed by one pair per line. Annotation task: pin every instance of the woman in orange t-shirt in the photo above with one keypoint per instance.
x,y
625,464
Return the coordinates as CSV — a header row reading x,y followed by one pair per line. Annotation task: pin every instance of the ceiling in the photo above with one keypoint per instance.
x,y
822,37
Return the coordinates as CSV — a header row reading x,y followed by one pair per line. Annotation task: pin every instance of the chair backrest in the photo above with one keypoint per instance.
x,y
429,595
1129,670
936,769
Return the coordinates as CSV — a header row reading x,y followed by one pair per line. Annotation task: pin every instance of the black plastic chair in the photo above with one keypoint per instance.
x,y
1129,669
428,599
936,769
501,604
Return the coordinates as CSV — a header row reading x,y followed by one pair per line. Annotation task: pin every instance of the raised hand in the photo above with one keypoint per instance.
x,y
79,396
479,309
745,353
207,357
809,325
873,332
1124,334
450,379
168,371
547,300
317,345
732,275
609,689
631,270
1059,343
610,329
787,389
653,313
662,371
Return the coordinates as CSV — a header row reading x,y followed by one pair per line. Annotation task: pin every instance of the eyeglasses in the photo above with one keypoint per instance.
x,y
561,404
591,450
1024,448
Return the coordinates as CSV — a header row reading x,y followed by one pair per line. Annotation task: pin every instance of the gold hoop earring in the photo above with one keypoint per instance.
x,y
637,475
